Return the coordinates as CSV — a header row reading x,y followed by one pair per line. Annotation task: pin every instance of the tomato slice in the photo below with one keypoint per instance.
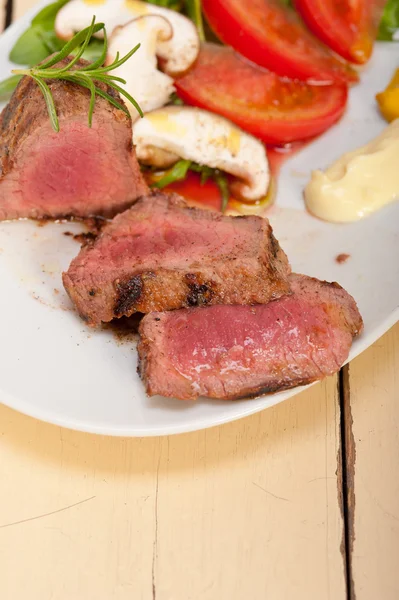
x,y
274,109
206,195
348,26
273,36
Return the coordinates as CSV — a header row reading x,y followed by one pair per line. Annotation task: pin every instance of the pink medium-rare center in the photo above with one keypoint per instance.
x,y
237,351
80,171
157,236
162,255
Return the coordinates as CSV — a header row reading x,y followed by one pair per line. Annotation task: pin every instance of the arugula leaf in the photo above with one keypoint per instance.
x,y
48,13
51,41
39,40
174,99
218,177
30,48
7,86
91,53
93,50
179,172
224,188
175,173
193,9
172,4
390,21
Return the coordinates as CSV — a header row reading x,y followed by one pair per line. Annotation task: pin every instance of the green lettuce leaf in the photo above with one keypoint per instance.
x,y
7,86
179,171
390,21
39,40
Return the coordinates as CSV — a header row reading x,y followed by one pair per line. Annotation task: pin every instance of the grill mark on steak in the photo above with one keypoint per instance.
x,y
200,294
128,294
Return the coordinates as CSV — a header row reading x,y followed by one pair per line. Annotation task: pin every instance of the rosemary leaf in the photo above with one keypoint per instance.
x,y
126,94
101,59
82,48
88,83
112,101
109,78
92,88
118,61
83,75
77,39
49,102
82,81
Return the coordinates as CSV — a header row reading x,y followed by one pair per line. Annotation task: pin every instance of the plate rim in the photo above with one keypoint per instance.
x,y
194,424
109,431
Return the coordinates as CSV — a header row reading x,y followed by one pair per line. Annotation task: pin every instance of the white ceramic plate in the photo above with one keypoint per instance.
x,y
53,368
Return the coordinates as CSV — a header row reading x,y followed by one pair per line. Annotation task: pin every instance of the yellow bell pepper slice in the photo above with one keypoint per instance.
x,y
388,101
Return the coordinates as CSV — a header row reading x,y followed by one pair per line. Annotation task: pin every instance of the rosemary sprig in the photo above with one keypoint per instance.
x,y
86,76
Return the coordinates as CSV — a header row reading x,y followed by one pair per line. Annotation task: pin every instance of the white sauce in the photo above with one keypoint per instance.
x,y
359,183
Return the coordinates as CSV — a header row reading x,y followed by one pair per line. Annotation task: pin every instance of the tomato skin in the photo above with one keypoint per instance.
x,y
349,27
206,195
275,110
272,36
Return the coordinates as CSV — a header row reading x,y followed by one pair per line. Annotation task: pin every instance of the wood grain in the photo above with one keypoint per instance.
x,y
247,510
374,402
21,6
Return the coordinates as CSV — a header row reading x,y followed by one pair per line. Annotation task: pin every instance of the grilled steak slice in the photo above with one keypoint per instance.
x,y
162,255
232,352
79,171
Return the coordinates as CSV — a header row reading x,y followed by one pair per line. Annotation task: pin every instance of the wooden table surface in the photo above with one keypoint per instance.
x,y
298,502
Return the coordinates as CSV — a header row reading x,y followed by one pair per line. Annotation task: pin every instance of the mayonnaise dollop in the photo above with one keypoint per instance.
x,y
359,183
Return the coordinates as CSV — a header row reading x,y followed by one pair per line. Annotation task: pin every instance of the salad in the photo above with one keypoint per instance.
x,y
264,74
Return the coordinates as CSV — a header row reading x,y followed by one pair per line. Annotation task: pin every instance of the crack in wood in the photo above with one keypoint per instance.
x,y
48,514
8,11
346,479
155,545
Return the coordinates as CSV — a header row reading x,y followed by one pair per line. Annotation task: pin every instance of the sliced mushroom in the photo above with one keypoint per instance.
x,y
167,134
179,52
149,87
